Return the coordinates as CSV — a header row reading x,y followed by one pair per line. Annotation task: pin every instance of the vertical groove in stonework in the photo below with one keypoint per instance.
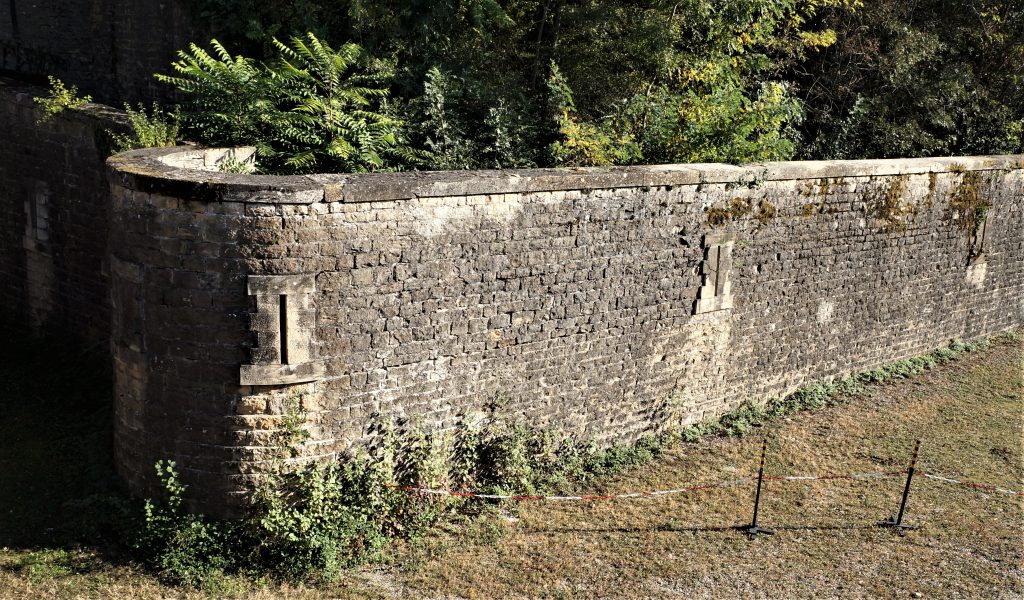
x,y
283,320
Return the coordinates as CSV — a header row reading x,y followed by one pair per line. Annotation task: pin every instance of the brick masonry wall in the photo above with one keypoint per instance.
x,y
53,216
606,303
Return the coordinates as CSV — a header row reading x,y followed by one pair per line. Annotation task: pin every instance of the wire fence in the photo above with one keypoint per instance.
x,y
646,494
896,522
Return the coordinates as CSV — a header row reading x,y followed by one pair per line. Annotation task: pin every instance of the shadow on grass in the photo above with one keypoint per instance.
x,y
58,489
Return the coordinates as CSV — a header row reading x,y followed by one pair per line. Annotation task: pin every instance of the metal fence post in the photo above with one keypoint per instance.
x,y
896,522
754,528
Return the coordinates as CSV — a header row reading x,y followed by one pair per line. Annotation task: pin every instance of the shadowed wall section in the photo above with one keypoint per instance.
x,y
54,212
108,48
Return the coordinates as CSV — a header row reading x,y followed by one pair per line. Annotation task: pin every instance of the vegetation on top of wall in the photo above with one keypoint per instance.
x,y
579,143
669,81
61,98
310,522
155,128
518,83
464,84
313,108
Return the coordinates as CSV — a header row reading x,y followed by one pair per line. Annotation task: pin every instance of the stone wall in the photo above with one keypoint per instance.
x,y
54,205
604,302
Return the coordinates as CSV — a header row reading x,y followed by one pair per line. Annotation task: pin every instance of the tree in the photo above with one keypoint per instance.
x,y
923,78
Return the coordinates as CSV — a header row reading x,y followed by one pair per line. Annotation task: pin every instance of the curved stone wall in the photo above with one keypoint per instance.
x,y
53,217
603,302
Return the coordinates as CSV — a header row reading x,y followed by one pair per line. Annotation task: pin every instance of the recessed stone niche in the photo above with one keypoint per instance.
x,y
715,293
282,325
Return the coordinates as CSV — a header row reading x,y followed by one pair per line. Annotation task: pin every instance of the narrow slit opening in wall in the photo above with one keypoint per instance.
x,y
719,280
283,320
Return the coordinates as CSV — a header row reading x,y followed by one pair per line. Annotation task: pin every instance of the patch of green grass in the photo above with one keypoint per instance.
x,y
53,563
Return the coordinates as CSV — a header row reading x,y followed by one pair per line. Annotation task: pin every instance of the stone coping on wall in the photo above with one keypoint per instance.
x,y
188,172
91,112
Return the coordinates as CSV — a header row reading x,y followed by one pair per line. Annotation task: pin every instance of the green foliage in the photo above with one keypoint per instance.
x,y
928,78
1011,335
491,135
670,81
233,165
61,98
157,129
230,101
312,521
635,82
315,521
711,86
311,109
442,132
328,118
187,547
579,143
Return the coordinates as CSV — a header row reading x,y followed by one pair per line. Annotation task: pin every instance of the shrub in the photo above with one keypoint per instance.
x,y
312,521
156,130
315,521
187,547
312,109
60,99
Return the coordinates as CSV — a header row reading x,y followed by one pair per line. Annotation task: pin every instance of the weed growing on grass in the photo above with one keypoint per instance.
x,y
307,524
312,522
189,547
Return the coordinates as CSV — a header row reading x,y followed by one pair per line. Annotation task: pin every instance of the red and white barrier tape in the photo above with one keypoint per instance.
x,y
832,477
981,487
684,490
653,494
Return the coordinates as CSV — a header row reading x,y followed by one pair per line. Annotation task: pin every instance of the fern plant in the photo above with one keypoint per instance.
x,y
313,109
231,98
